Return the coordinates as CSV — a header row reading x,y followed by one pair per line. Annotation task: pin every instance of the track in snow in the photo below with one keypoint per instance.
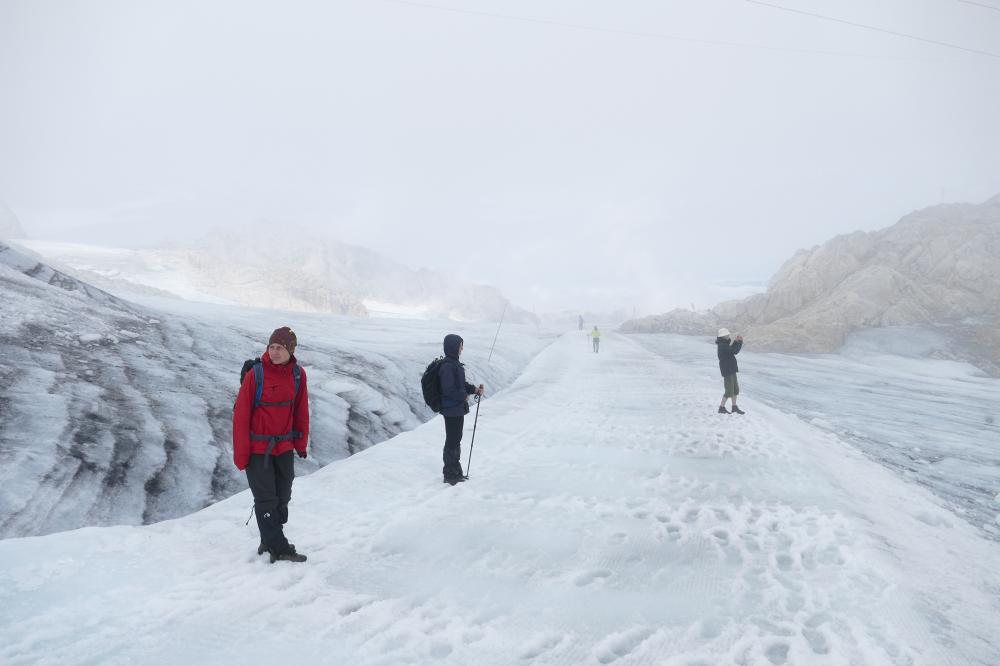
x,y
612,518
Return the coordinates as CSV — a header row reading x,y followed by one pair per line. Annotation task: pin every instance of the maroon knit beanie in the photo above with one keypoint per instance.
x,y
285,337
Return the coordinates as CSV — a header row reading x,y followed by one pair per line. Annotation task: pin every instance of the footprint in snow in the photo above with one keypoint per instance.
x,y
589,577
354,607
777,653
540,646
621,645
784,561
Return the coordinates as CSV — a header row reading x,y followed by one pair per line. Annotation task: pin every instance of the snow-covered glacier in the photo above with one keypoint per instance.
x,y
612,518
120,413
931,420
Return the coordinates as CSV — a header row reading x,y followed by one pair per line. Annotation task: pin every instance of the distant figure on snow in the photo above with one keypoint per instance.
x,y
270,422
596,335
455,392
581,322
727,350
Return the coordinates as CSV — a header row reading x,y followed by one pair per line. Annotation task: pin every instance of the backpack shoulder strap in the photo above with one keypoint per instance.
x,y
297,375
258,377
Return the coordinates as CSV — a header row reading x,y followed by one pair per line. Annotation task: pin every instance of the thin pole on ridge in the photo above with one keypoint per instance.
x,y
496,336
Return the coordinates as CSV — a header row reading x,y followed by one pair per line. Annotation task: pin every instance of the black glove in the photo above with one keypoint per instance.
x,y
302,454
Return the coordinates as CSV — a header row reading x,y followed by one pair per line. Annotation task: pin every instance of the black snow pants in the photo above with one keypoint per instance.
x,y
270,478
453,426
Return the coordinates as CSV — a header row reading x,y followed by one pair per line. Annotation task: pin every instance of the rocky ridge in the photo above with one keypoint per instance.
x,y
935,267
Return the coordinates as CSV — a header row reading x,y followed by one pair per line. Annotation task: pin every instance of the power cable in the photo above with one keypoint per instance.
x,y
875,28
981,4
636,33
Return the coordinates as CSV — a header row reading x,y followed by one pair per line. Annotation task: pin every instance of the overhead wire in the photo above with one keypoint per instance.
x,y
637,33
980,4
875,28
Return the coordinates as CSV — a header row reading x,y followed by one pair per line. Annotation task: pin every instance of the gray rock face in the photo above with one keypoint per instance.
x,y
938,266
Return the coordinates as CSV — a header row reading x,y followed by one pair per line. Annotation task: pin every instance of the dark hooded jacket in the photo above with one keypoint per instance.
x,y
727,355
455,390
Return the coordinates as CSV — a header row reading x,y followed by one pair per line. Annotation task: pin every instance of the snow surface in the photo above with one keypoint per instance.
x,y
932,421
612,517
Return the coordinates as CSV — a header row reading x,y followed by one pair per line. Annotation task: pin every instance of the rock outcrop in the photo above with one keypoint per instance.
x,y
938,266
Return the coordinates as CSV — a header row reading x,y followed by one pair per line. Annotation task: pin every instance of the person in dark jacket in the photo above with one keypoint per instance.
x,y
270,427
727,350
455,392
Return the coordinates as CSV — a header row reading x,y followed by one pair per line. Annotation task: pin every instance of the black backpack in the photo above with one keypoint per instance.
x,y
247,367
254,365
430,383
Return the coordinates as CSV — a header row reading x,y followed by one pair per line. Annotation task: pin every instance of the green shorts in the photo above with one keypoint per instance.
x,y
732,385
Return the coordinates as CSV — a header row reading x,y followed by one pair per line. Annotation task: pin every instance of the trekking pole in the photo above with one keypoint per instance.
x,y
468,466
497,335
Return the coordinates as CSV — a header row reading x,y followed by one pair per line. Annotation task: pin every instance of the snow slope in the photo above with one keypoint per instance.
x,y
886,395
115,412
312,274
610,519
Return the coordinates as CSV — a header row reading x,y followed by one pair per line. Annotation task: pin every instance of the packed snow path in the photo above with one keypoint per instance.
x,y
612,517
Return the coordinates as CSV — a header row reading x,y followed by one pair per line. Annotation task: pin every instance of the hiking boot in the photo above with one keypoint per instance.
x,y
460,479
289,555
261,549
737,410
723,410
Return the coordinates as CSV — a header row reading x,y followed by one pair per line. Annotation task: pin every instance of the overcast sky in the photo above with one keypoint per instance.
x,y
573,153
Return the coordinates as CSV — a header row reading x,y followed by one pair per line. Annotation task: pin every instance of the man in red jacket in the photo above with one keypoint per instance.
x,y
270,422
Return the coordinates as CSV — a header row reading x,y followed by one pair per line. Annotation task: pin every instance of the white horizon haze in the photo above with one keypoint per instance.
x,y
576,155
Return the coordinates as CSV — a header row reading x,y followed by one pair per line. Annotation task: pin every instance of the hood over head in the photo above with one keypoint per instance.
x,y
451,344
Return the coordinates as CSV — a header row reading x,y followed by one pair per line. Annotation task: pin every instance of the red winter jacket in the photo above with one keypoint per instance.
x,y
279,386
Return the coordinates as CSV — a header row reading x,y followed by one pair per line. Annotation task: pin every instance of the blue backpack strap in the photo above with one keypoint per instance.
x,y
258,377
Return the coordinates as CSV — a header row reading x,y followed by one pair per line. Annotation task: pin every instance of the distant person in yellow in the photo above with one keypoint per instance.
x,y
596,335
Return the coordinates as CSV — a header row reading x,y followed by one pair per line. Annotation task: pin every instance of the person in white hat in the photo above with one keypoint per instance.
x,y
728,349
